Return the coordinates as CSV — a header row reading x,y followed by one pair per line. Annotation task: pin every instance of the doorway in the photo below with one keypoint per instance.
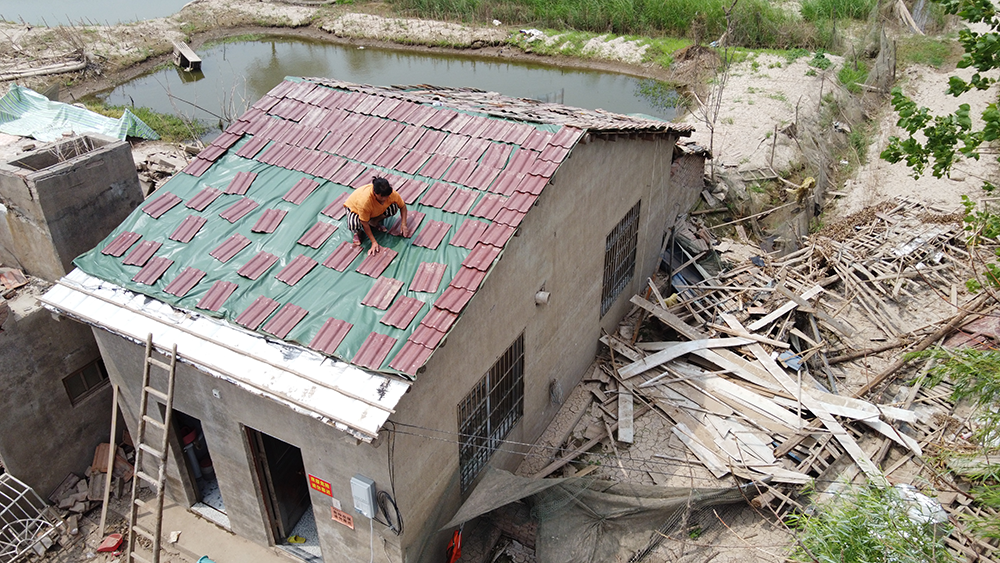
x,y
198,460
285,491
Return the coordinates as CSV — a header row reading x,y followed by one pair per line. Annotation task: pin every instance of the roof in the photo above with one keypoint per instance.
x,y
252,233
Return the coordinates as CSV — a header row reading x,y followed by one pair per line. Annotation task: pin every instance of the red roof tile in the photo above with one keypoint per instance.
x,y
482,177
440,118
341,258
496,156
252,147
481,257
389,157
269,221
230,247
432,235
197,167
141,253
241,183
430,141
426,336
217,295
536,141
410,190
211,153
454,299
439,318
317,234
497,235
461,201
455,125
436,166
567,136
255,314
488,206
522,162
410,357
473,149
188,228
184,282
532,184
460,171
374,350
507,182
412,162
553,153
544,168
336,209
312,138
521,201
382,293
203,199
309,160
437,195
285,320
152,270
402,312
409,136
296,269
348,173
329,167
468,234
257,265
121,243
468,278
428,277
374,265
511,217
238,210
475,126
413,220
330,335
372,149
161,205
452,145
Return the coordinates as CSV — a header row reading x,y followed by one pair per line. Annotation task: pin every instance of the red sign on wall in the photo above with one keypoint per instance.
x,y
320,485
343,517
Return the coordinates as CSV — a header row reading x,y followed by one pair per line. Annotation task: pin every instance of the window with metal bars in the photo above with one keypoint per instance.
x,y
619,257
487,414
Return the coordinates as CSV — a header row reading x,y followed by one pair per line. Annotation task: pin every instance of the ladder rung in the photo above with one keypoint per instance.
x,y
156,392
153,451
143,532
142,475
153,421
140,503
158,363
140,558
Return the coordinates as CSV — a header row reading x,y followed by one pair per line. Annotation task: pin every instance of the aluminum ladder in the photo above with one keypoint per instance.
x,y
158,455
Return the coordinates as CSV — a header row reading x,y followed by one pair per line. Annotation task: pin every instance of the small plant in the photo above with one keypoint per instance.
x,y
852,75
811,72
820,61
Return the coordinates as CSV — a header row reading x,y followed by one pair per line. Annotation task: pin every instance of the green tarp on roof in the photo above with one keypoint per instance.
x,y
27,113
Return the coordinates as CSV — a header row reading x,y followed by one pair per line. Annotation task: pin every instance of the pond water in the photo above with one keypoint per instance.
x,y
236,74
71,12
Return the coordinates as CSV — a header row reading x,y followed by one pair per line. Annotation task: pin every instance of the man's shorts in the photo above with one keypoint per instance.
x,y
354,221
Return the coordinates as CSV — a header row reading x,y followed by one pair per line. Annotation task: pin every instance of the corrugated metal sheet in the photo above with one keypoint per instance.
x,y
161,205
454,299
317,234
269,221
203,199
427,336
382,293
142,253
285,320
413,220
410,357
432,235
439,319
342,257
461,201
241,183
330,335
229,248
336,209
296,269
153,270
184,282
257,265
497,235
217,295
375,264
301,190
488,206
428,277
121,243
188,228
468,278
468,234
254,315
374,350
402,312
481,257
239,209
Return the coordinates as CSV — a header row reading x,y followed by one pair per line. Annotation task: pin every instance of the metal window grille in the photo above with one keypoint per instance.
x,y
619,258
24,526
487,414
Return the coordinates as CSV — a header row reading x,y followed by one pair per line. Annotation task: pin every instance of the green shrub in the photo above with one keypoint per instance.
x,y
820,61
815,10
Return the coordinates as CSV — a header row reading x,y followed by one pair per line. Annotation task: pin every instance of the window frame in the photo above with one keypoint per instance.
x,y
620,252
89,389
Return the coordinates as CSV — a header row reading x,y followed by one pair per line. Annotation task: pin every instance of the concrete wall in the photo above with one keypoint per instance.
x,y
64,198
42,435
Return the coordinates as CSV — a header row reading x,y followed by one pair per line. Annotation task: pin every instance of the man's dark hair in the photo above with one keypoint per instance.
x,y
381,186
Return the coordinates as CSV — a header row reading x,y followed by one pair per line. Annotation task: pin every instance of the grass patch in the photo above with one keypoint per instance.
x,y
815,10
933,51
851,75
169,127
820,61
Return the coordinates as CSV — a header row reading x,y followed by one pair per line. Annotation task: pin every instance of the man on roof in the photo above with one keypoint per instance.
x,y
369,206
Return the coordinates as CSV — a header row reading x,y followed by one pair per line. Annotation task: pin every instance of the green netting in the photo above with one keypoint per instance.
x,y
27,113
323,292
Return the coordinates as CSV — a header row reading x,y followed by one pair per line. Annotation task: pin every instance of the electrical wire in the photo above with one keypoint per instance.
x,y
371,540
384,501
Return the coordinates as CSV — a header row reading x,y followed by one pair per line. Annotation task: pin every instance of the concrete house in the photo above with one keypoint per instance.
x,y
56,202
306,362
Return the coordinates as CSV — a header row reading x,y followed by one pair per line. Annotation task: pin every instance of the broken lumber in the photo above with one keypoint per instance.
x,y
676,350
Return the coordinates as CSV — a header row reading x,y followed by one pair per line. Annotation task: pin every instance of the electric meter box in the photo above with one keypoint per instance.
x,y
363,491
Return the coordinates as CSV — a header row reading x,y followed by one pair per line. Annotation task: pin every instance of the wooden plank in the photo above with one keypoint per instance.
x,y
668,318
841,327
777,313
677,350
754,337
708,458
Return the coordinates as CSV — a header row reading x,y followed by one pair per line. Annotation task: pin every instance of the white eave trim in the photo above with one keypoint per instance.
x,y
351,399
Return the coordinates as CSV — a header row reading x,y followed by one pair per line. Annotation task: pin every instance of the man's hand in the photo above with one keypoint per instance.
x,y
374,249
404,230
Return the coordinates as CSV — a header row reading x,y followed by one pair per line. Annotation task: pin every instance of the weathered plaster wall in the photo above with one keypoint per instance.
x,y
44,436
62,199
